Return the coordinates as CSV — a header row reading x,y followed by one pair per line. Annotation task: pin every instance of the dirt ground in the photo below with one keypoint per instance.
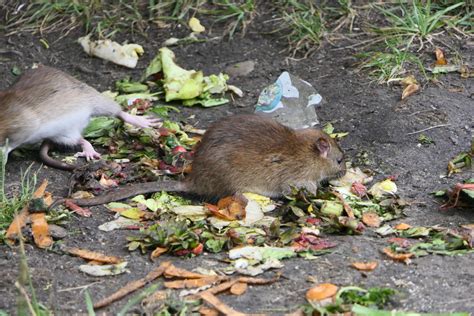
x,y
377,121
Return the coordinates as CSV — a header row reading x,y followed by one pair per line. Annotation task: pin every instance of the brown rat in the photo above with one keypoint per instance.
x,y
48,105
249,153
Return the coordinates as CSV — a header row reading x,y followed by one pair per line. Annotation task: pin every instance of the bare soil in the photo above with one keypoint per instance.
x,y
378,123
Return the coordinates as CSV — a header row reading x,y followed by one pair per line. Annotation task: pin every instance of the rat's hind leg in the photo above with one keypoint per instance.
x,y
139,121
87,150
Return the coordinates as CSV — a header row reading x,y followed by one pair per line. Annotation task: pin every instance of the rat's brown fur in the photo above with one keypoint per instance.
x,y
250,153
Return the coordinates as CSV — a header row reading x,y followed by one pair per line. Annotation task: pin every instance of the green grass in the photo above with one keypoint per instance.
x,y
305,25
389,65
418,20
238,14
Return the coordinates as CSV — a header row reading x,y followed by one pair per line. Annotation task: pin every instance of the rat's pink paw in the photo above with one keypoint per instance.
x,y
89,155
140,121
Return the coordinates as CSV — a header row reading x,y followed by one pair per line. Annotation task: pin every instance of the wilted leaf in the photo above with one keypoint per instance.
x,y
238,288
77,209
195,25
371,219
404,257
321,292
173,271
104,270
365,266
380,189
91,255
409,90
402,226
440,59
409,80
40,230
158,252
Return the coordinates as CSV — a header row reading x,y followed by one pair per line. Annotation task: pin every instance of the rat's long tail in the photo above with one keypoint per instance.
x,y
47,160
132,190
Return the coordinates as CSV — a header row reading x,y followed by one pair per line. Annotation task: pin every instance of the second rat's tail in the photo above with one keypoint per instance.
x,y
132,190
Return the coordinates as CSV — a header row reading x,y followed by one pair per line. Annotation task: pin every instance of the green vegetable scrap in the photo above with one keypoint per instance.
x,y
189,86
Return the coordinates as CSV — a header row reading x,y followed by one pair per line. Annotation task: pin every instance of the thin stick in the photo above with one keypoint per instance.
x,y
428,128
133,285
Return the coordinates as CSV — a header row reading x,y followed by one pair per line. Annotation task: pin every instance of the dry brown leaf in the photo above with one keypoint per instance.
x,y
40,230
77,209
20,219
91,255
48,198
440,59
321,292
17,224
173,271
219,305
409,90
371,219
404,257
133,286
158,252
107,183
468,226
156,298
408,80
402,226
215,289
192,283
208,311
238,288
230,208
365,266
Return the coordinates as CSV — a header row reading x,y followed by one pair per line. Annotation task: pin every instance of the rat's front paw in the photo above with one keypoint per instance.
x,y
140,121
88,154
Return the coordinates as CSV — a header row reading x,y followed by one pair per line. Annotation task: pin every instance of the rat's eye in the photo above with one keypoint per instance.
x,y
340,160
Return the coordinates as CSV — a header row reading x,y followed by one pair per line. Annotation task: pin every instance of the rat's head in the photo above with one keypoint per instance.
x,y
327,158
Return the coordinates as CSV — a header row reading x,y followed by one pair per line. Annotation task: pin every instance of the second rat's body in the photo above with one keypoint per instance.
x,y
48,104
249,153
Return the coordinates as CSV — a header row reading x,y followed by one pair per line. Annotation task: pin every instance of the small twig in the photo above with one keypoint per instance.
x,y
81,287
428,128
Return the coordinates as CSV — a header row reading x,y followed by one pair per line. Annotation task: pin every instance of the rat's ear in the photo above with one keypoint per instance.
x,y
322,147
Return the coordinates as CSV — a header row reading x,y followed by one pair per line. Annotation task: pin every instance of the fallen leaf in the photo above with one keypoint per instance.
x,y
208,311
90,255
82,195
40,230
20,219
238,288
104,270
158,252
409,80
383,188
440,59
409,90
321,292
358,189
402,226
77,209
401,242
192,283
106,182
173,271
371,219
195,25
404,257
365,266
